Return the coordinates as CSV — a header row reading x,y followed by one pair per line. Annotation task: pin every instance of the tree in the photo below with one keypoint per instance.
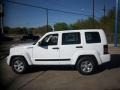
x,y
60,26
107,22
24,30
6,30
85,24
75,25
45,29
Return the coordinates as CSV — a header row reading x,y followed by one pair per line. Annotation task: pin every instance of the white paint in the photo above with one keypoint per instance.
x,y
32,52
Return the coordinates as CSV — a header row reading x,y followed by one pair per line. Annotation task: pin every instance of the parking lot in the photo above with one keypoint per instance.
x,y
60,77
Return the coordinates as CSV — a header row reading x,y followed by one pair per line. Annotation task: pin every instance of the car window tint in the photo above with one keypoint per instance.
x,y
92,37
50,40
71,38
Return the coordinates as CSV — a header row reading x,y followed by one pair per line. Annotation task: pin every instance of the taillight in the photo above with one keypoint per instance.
x,y
105,49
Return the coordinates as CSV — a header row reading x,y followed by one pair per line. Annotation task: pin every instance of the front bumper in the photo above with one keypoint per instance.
x,y
8,59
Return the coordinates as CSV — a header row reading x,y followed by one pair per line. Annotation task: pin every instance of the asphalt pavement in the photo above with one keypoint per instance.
x,y
60,78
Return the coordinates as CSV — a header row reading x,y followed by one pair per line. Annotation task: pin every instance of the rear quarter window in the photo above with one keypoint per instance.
x,y
92,37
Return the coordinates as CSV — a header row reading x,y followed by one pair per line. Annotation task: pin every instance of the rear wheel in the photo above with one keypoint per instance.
x,y
19,65
86,65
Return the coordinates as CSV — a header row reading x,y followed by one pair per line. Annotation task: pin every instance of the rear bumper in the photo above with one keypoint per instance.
x,y
105,58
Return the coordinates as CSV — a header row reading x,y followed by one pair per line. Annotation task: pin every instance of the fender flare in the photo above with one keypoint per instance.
x,y
78,54
26,56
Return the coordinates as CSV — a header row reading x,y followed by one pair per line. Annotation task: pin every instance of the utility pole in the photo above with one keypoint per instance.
x,y
104,10
1,16
47,18
93,13
116,25
104,13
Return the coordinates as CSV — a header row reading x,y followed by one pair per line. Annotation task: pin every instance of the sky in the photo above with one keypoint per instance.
x,y
23,16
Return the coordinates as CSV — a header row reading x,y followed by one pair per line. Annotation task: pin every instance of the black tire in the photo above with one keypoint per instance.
x,y
86,65
19,65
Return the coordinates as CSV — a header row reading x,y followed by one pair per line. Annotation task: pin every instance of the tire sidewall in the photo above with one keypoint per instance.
x,y
24,63
83,59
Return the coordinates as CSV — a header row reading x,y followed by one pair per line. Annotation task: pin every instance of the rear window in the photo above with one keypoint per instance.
x,y
92,37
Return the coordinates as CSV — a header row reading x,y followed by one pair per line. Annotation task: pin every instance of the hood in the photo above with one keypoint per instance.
x,y
20,49
24,45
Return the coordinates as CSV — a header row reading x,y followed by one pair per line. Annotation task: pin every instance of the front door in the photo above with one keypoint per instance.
x,y
47,52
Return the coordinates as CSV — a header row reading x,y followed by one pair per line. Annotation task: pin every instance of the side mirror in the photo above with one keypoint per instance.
x,y
39,44
43,44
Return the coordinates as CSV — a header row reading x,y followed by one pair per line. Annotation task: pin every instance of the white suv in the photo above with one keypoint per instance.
x,y
85,49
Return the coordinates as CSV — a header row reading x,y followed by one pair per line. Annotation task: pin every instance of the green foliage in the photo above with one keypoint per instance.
x,y
107,23
85,24
17,30
6,30
45,29
60,26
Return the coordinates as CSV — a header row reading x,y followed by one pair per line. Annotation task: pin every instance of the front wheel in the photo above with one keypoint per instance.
x,y
86,65
19,65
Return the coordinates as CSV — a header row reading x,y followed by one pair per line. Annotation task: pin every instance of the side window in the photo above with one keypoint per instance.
x,y
50,40
92,37
71,38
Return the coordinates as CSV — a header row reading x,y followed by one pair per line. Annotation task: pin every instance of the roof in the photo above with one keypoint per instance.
x,y
79,30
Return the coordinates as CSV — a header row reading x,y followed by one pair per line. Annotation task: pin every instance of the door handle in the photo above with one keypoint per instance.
x,y
79,47
55,48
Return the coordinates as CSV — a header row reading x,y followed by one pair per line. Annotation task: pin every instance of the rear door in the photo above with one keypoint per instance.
x,y
70,43
93,41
